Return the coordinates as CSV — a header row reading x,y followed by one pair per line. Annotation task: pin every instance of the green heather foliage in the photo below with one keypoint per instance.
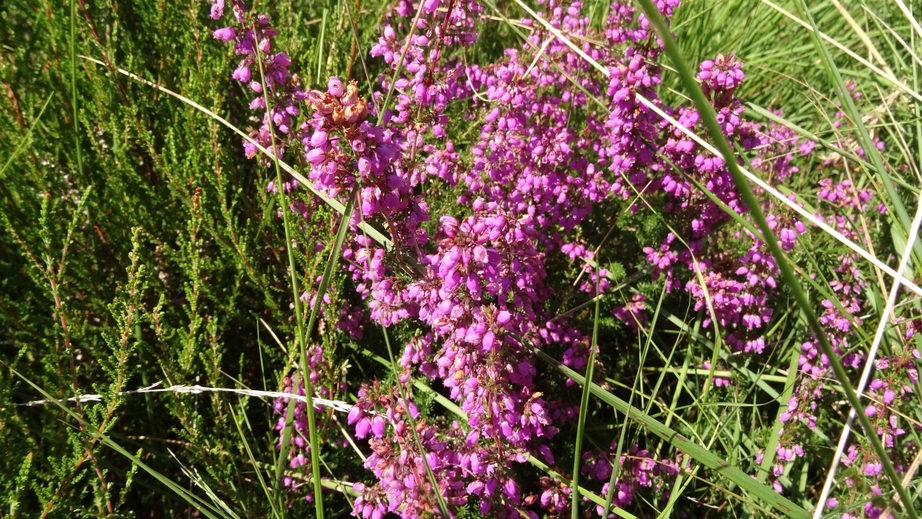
x,y
141,248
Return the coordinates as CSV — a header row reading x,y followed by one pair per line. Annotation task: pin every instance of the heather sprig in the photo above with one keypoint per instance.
x,y
583,225
476,261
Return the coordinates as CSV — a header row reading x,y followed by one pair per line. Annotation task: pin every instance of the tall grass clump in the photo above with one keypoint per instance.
x,y
460,258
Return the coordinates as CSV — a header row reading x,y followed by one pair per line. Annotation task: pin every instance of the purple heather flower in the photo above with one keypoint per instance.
x,y
217,10
242,73
226,34
531,179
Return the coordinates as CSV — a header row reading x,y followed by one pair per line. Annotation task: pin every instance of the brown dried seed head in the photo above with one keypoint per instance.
x,y
352,94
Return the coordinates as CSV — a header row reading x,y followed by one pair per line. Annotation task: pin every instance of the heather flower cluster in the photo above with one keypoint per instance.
x,y
890,391
637,469
326,383
551,141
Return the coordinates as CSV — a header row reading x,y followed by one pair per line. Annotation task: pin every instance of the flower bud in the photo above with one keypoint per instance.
x,y
335,87
242,73
378,426
319,139
316,156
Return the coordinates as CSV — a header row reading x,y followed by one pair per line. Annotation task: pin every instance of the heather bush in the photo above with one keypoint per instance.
x,y
460,258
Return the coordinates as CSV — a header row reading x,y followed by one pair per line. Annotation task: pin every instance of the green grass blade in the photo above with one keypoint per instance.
x,y
256,468
27,139
323,32
768,457
315,311
338,206
707,115
196,502
73,84
302,334
583,411
808,217
705,457
870,66
848,103
616,468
